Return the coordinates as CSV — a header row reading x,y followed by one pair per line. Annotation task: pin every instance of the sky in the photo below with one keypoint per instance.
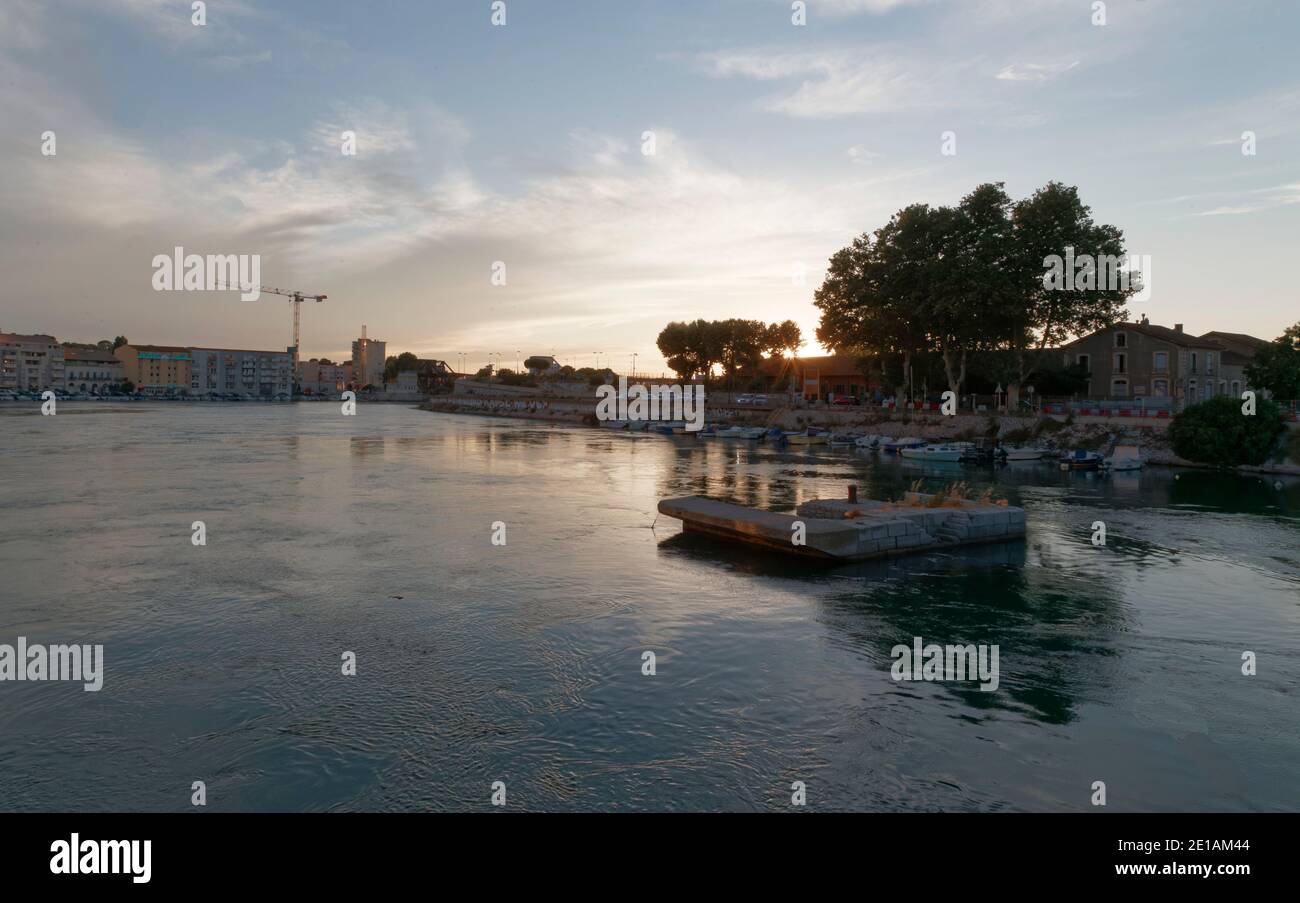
x,y
630,163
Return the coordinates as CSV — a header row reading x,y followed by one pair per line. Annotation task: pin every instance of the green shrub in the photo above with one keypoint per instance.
x,y
1217,432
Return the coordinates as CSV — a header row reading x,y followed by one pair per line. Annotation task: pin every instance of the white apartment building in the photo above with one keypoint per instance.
x,y
93,371
31,363
262,374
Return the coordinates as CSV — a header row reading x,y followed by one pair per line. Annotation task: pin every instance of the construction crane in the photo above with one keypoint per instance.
x,y
296,299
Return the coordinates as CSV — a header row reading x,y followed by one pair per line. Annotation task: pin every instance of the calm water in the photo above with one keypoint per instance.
x,y
522,663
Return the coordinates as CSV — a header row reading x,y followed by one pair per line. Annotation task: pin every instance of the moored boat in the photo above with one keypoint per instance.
x,y
1124,457
933,453
741,432
1081,460
894,446
1023,454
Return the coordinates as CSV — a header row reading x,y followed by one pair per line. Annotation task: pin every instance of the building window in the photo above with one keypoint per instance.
x,y
1193,362
1120,363
1160,362
1160,388
1236,389
1121,340
1119,388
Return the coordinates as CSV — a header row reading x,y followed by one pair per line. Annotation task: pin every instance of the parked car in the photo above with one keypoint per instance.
x,y
745,399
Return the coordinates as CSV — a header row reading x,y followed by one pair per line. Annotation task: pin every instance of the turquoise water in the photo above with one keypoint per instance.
x,y
522,663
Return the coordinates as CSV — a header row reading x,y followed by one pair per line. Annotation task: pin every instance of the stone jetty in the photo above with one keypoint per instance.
x,y
852,529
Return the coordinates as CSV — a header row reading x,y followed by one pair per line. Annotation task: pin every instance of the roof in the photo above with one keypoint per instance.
x,y
157,349
234,350
37,339
846,363
86,354
1163,333
1242,340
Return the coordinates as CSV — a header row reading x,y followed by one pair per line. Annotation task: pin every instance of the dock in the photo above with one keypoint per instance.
x,y
852,529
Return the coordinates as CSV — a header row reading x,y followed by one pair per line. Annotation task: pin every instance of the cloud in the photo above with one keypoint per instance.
x,y
851,7
859,153
1034,72
839,82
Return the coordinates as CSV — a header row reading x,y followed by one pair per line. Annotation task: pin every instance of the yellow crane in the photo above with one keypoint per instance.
x,y
296,299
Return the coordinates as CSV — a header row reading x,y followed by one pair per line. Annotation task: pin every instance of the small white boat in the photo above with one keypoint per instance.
x,y
952,452
1024,454
1124,457
840,440
894,446
741,432
872,441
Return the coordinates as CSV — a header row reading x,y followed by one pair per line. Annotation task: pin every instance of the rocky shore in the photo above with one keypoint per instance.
x,y
1050,432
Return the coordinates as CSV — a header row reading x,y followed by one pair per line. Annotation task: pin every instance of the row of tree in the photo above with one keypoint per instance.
x,y
967,281
736,346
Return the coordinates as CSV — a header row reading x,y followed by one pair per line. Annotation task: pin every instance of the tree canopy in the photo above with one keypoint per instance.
x,y
966,280
736,346
1276,367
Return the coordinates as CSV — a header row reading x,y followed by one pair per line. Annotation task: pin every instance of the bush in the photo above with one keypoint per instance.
x,y
1050,425
1216,432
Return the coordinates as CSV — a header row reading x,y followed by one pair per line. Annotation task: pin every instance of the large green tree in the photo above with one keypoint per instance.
x,y
1276,367
962,280
1051,223
864,310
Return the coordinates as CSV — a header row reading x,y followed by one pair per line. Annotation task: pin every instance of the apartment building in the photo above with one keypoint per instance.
x,y
368,361
223,371
91,370
31,363
323,377
156,369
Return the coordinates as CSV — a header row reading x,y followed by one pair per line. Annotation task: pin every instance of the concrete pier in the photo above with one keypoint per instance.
x,y
838,529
